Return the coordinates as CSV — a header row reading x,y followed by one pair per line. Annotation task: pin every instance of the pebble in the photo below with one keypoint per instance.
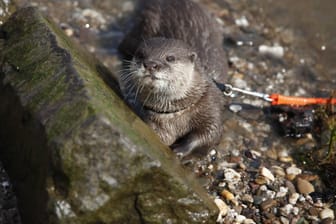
x,y
284,220
235,108
223,208
276,50
240,218
327,213
286,159
304,186
249,221
282,192
293,198
247,198
293,170
279,171
290,186
242,22
227,195
287,209
232,176
327,221
267,173
269,203
313,211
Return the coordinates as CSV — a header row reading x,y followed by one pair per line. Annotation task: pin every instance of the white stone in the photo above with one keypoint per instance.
x,y
242,22
293,170
267,173
232,176
235,108
240,218
249,221
276,51
293,198
223,209
282,192
327,213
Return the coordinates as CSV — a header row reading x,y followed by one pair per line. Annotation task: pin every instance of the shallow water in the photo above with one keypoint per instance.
x,y
314,21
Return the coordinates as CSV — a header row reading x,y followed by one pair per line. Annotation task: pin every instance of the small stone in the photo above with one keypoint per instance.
x,y
247,198
275,51
290,186
295,210
327,213
279,171
304,187
327,221
293,198
282,192
286,159
293,170
223,208
227,195
213,152
261,180
235,108
286,210
272,154
267,173
240,219
69,32
232,176
265,205
249,221
242,22
313,211
284,220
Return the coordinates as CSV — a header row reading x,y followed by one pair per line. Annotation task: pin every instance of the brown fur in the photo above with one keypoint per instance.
x,y
176,53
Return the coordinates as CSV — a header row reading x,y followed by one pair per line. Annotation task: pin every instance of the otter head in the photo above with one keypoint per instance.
x,y
163,68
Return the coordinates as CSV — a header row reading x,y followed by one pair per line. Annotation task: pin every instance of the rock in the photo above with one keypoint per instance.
x,y
242,22
269,203
313,211
223,208
235,108
73,150
267,173
327,221
275,51
249,221
293,170
282,192
279,171
327,213
293,198
284,220
304,187
227,195
287,209
232,176
240,219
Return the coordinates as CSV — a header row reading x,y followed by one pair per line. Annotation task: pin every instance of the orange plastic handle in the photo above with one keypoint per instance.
x,y
299,101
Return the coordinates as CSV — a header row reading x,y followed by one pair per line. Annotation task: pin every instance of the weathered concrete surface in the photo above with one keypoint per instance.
x,y
74,151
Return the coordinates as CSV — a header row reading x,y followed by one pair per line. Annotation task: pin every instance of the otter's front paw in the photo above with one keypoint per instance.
x,y
185,147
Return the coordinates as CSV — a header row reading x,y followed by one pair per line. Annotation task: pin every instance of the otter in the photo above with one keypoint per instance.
x,y
174,55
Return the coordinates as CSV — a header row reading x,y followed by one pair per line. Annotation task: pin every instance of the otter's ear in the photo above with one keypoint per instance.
x,y
192,56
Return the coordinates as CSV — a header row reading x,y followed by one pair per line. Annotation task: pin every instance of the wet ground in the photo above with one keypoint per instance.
x,y
300,37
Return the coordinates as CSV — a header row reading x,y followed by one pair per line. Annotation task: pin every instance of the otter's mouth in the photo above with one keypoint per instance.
x,y
150,76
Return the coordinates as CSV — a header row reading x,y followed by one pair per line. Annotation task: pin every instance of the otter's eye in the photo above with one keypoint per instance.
x,y
140,55
170,58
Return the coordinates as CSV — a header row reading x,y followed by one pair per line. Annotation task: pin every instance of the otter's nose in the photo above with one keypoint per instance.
x,y
151,65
